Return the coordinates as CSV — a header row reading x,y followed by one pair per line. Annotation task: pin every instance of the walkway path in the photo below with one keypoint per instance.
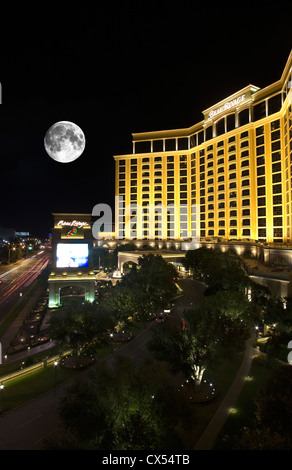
x,y
209,436
28,423
6,269
17,323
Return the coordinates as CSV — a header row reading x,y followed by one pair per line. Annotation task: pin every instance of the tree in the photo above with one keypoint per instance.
x,y
270,428
224,320
81,327
231,278
234,305
174,343
200,261
278,316
122,302
157,278
121,407
86,415
260,296
204,262
276,312
144,289
204,335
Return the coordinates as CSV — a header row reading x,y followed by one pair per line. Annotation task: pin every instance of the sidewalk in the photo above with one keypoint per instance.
x,y
6,269
210,434
17,323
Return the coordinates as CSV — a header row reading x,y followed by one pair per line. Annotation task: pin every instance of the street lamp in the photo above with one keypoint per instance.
x,y
1,404
9,251
55,367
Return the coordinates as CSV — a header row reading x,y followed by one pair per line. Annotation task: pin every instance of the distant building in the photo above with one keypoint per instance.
x,y
22,234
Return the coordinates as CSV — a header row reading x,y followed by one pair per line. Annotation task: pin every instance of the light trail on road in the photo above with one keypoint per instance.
x,y
25,279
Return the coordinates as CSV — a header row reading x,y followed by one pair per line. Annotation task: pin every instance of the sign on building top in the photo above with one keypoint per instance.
x,y
67,221
231,103
72,223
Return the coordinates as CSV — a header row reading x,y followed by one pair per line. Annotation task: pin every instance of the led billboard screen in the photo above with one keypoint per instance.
x,y
72,255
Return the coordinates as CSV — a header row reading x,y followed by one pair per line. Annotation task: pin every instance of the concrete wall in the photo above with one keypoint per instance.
x,y
277,287
280,255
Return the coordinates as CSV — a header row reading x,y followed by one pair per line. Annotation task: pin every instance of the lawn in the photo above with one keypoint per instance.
x,y
19,391
243,410
9,367
27,387
222,377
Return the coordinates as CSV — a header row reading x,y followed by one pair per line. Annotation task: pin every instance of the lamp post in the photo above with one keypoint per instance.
x,y
9,251
1,403
55,367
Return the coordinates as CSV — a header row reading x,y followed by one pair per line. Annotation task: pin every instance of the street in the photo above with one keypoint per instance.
x,y
26,427
16,281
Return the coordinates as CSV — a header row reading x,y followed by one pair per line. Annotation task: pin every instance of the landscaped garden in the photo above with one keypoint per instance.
x,y
199,353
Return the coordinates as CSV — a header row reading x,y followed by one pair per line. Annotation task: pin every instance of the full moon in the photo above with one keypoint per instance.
x,y
64,141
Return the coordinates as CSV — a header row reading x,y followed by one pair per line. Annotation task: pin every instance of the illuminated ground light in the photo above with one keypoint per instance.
x,y
233,411
212,390
117,275
209,392
249,378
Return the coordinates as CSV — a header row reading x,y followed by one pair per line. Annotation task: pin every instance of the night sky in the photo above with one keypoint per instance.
x,y
113,70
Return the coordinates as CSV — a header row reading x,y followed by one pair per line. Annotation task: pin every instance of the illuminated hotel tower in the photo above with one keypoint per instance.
x,y
236,164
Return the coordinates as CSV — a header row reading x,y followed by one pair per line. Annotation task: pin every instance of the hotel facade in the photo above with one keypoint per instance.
x,y
235,166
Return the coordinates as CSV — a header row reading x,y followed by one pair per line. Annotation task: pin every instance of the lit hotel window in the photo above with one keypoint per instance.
x,y
256,160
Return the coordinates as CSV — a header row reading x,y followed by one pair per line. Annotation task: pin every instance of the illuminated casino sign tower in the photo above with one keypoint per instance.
x,y
72,245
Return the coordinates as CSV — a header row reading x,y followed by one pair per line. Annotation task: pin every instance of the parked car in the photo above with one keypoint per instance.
x,y
160,318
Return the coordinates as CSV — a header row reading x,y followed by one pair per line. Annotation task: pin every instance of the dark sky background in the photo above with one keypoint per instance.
x,y
116,69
